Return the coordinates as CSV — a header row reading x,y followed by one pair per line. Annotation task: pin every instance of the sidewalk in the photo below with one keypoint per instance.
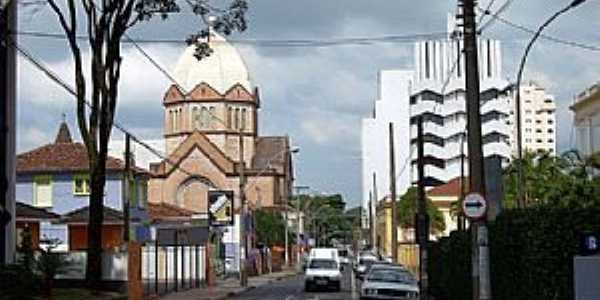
x,y
229,287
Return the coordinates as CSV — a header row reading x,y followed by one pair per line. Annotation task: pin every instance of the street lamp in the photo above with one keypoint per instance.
x,y
537,34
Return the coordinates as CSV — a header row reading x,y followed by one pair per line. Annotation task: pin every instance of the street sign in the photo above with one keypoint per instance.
x,y
220,208
474,206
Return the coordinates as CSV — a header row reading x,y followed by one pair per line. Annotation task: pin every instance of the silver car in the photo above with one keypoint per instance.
x,y
389,282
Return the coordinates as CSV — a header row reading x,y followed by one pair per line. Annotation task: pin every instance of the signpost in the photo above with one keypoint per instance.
x,y
220,208
474,206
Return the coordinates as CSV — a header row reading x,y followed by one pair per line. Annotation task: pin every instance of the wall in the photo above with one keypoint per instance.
x,y
63,199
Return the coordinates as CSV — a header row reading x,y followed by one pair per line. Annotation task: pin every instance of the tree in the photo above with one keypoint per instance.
x,y
566,180
106,23
324,216
270,228
407,209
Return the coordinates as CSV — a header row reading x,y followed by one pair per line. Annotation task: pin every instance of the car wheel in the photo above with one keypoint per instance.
x,y
307,287
337,287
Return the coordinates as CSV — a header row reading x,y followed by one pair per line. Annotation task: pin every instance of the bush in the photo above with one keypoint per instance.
x,y
17,283
531,255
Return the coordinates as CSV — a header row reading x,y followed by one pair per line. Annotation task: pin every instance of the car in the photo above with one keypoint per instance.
x,y
363,265
327,253
344,256
322,272
389,282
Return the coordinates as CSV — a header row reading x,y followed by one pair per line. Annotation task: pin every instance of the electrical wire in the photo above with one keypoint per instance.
x,y
498,12
289,43
546,36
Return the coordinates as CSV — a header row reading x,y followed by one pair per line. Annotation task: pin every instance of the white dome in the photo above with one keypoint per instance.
x,y
221,70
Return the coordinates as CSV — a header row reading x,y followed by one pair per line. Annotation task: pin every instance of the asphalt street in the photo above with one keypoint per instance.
x,y
292,288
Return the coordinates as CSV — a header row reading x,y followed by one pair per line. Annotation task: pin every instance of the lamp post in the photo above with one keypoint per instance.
x,y
535,37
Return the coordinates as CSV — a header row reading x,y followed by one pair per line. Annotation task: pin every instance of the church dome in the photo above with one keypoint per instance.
x,y
223,69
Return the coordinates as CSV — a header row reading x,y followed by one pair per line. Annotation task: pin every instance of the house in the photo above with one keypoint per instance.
x,y
445,197
587,120
55,177
30,217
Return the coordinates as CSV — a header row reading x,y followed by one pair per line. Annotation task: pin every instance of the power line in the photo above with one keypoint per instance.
x,y
285,43
56,79
500,10
546,36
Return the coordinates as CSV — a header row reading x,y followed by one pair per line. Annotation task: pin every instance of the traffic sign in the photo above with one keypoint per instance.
x,y
474,206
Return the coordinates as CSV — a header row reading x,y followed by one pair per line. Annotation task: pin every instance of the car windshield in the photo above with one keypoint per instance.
x,y
388,275
343,253
322,264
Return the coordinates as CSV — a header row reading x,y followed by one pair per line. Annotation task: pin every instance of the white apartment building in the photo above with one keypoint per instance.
x,y
435,90
587,120
538,120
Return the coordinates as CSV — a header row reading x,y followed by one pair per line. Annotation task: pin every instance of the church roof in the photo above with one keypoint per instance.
x,y
223,69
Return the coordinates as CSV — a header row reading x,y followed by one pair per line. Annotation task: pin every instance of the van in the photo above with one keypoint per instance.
x,y
325,253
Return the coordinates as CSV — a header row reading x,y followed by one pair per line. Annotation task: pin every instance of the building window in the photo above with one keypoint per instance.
x,y
196,117
528,111
550,141
527,120
538,121
550,130
538,141
203,117
538,130
42,191
229,117
528,130
427,60
143,194
81,185
237,118
243,119
211,117
550,122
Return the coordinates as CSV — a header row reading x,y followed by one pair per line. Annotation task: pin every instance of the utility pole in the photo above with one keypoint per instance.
x,y
243,237
461,216
8,24
481,280
373,205
125,195
422,218
393,195
371,229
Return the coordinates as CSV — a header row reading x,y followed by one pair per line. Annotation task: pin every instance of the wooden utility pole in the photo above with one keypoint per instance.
x,y
371,229
243,237
422,218
8,24
393,195
461,216
480,263
126,194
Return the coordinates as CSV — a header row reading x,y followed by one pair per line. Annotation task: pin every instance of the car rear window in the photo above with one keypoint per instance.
x,y
322,264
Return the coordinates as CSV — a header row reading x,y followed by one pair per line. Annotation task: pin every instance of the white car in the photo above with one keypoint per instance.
x,y
322,272
389,282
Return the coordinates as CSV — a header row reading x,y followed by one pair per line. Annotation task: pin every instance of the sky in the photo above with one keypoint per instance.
x,y
317,96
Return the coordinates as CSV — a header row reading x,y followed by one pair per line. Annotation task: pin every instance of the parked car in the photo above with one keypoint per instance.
x,y
363,265
322,272
389,282
344,256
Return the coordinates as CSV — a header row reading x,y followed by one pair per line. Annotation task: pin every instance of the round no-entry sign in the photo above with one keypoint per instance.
x,y
474,206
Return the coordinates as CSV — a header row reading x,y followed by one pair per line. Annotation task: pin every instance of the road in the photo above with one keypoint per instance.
x,y
293,289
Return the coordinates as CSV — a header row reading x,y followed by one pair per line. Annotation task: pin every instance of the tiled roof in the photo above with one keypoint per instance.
x,y
163,211
271,153
25,211
63,156
81,215
449,189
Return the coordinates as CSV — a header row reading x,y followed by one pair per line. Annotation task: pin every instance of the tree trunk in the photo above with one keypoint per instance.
x,y
94,229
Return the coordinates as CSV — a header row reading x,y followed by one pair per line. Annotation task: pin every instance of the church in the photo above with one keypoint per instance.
x,y
210,134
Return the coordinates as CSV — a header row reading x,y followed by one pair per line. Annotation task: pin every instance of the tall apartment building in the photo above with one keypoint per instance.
x,y
538,120
435,90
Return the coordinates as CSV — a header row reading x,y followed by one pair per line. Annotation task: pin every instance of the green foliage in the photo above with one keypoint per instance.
x,y
565,180
326,218
270,228
27,257
531,254
17,283
407,208
49,264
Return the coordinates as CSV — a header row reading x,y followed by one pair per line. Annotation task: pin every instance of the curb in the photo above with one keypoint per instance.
x,y
249,288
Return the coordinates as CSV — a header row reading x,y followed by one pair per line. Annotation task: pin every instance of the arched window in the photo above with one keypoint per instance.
x,y
196,117
203,117
229,117
237,118
243,125
211,117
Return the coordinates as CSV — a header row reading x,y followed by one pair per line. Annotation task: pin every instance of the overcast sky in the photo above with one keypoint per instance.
x,y
315,95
